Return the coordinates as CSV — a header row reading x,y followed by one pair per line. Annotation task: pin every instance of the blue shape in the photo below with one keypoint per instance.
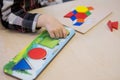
x,y
74,12
78,24
21,65
73,18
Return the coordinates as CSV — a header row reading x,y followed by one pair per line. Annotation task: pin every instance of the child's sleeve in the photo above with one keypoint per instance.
x,y
0,8
17,18
25,23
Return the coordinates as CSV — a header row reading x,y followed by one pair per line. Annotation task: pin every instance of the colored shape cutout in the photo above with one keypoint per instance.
x,y
88,13
80,15
110,25
37,53
22,65
73,18
90,8
78,24
70,14
74,12
47,41
80,20
82,9
115,25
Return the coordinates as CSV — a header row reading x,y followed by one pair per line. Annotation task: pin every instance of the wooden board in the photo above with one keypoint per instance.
x,y
96,16
33,59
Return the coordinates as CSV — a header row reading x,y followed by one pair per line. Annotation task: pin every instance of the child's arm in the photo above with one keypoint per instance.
x,y
54,27
15,16
1,4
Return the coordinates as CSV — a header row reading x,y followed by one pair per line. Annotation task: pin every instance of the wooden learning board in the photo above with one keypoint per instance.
x,y
31,61
86,17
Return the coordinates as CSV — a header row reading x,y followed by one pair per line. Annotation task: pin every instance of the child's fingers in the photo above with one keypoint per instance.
x,y
52,35
61,34
65,33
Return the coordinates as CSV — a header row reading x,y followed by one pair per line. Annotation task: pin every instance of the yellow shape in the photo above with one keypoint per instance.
x,y
82,9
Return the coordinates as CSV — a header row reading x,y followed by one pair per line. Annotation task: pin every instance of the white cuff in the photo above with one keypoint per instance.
x,y
35,23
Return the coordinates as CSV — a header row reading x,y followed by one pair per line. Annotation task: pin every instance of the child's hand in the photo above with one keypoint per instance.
x,y
54,27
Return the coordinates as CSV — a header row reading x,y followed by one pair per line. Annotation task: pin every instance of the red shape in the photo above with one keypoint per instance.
x,y
37,53
110,25
115,25
70,14
80,15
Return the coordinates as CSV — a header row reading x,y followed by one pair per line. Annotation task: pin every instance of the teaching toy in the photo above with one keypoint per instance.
x,y
31,61
86,17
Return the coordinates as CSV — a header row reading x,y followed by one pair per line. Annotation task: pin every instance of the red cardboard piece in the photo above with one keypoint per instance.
x,y
110,25
81,15
115,25
70,14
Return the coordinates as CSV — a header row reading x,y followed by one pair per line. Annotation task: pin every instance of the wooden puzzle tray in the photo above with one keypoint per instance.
x,y
33,59
85,18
